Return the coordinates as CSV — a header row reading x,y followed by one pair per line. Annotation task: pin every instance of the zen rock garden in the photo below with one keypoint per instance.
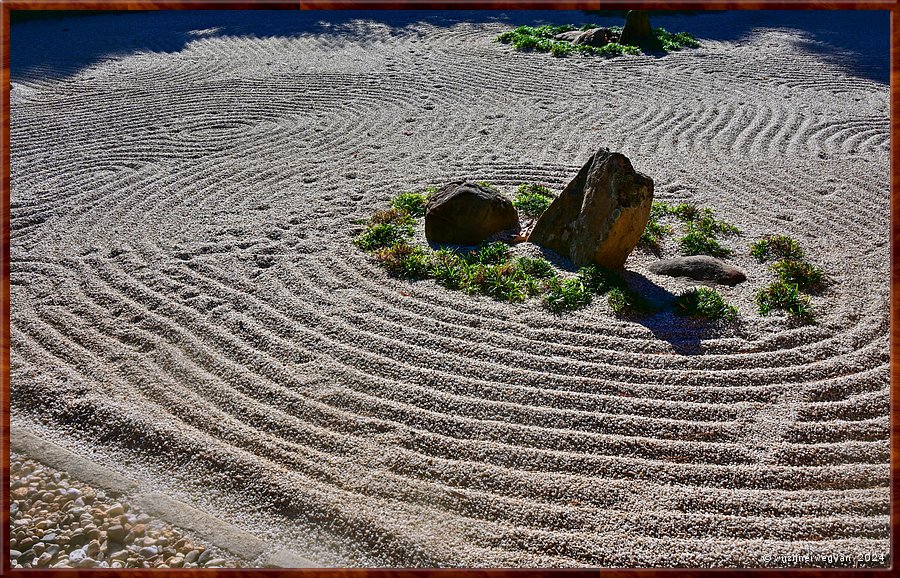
x,y
595,223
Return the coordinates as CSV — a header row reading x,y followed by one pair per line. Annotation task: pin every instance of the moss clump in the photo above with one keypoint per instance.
x,y
705,302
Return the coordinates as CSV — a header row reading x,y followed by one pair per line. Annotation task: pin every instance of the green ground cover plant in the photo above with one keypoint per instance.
x,y
786,297
776,247
383,235
805,275
412,203
702,229
541,39
794,275
696,241
705,302
531,199
492,270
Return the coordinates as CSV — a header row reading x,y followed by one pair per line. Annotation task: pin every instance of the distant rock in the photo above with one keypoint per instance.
x,y
699,268
467,213
569,36
600,216
596,37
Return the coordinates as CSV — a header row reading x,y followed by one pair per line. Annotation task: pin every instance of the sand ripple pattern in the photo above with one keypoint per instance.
x,y
185,289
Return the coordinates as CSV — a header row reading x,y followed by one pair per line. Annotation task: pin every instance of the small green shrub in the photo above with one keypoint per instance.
x,y
660,209
392,216
785,297
624,301
616,49
448,269
405,261
705,302
567,294
532,200
698,242
776,247
489,254
541,39
804,275
712,226
383,235
503,281
665,41
653,233
412,203
618,300
562,49
598,279
538,268
686,211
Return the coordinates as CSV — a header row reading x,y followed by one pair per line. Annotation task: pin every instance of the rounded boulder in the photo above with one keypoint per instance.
x,y
467,213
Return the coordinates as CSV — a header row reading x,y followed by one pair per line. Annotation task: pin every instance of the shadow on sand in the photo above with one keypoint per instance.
x,y
858,42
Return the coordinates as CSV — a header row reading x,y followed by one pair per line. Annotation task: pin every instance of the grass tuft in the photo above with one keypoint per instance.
x,y
502,281
566,294
804,275
392,216
700,242
786,297
705,302
448,269
383,235
489,254
599,280
532,200
777,247
538,268
405,261
412,203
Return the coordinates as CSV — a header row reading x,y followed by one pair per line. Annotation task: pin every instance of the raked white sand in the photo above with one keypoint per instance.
x,y
187,304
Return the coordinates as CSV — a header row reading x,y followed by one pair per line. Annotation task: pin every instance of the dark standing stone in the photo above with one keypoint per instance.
x,y
699,268
637,28
600,216
466,213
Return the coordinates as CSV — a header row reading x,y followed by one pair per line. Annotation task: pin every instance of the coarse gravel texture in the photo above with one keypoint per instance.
x,y
187,303
57,522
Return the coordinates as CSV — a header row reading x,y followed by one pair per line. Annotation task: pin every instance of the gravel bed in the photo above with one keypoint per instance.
x,y
58,522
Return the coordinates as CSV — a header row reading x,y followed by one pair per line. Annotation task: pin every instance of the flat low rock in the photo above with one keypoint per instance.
x,y
596,37
600,216
467,213
699,268
569,36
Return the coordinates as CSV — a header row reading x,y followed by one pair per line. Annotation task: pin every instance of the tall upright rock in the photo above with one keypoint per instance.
x,y
600,216
637,29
